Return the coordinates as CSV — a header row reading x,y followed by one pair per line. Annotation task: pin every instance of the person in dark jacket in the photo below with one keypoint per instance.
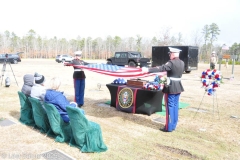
x,y
174,68
57,98
78,78
28,82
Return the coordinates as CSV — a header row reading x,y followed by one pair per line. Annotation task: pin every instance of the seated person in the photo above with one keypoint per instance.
x,y
57,98
38,90
28,82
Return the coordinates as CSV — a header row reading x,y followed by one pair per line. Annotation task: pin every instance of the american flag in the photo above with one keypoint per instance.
x,y
117,71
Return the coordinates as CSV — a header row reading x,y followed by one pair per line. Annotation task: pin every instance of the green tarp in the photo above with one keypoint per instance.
x,y
181,105
108,102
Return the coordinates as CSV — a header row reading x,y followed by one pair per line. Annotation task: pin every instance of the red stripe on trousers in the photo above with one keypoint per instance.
x,y
166,108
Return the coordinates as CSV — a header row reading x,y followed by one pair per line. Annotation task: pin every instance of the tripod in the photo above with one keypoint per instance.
x,y
4,68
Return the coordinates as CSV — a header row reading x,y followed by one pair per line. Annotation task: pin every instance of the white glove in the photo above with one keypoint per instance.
x,y
74,104
145,69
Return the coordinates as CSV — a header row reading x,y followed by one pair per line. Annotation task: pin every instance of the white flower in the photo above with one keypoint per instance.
x,y
163,79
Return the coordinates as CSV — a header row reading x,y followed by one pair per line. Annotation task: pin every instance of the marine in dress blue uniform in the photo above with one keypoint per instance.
x,y
174,68
79,79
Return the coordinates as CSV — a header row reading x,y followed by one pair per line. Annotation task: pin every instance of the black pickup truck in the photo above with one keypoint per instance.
x,y
130,58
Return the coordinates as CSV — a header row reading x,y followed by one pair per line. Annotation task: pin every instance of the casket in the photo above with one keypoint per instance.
x,y
136,83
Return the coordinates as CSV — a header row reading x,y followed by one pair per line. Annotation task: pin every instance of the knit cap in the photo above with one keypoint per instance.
x,y
39,79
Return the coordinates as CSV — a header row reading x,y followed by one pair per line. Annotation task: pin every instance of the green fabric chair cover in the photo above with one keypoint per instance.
x,y
87,135
40,116
26,114
61,129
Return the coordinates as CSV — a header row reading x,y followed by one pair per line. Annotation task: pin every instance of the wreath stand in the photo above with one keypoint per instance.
x,y
214,97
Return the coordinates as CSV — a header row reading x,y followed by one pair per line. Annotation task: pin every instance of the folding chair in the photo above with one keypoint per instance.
x,y
87,135
61,129
40,116
26,114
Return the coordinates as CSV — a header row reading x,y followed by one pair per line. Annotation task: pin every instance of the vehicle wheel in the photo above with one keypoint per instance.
x,y
132,64
187,71
109,62
15,61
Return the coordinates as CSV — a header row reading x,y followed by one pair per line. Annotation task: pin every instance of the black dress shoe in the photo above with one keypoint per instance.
x,y
79,105
163,129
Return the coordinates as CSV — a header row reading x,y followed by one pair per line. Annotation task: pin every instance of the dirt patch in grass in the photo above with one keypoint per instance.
x,y
178,152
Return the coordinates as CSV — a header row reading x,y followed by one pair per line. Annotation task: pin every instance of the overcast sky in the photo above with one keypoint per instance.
x,y
124,18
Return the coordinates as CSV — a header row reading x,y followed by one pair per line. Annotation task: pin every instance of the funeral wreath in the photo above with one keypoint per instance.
x,y
211,80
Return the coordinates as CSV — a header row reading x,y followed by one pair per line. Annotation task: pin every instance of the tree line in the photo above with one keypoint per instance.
x,y
35,46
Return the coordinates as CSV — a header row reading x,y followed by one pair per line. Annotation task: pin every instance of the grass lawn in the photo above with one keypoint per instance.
x,y
214,134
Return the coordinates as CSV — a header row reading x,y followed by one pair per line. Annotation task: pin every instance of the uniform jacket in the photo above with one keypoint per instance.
x,y
174,69
59,101
78,74
28,82
213,60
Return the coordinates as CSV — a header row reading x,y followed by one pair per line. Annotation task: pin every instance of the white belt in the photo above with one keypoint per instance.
x,y
175,79
77,69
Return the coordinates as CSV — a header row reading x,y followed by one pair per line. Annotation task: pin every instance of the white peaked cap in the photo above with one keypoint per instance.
x,y
78,53
213,52
174,50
